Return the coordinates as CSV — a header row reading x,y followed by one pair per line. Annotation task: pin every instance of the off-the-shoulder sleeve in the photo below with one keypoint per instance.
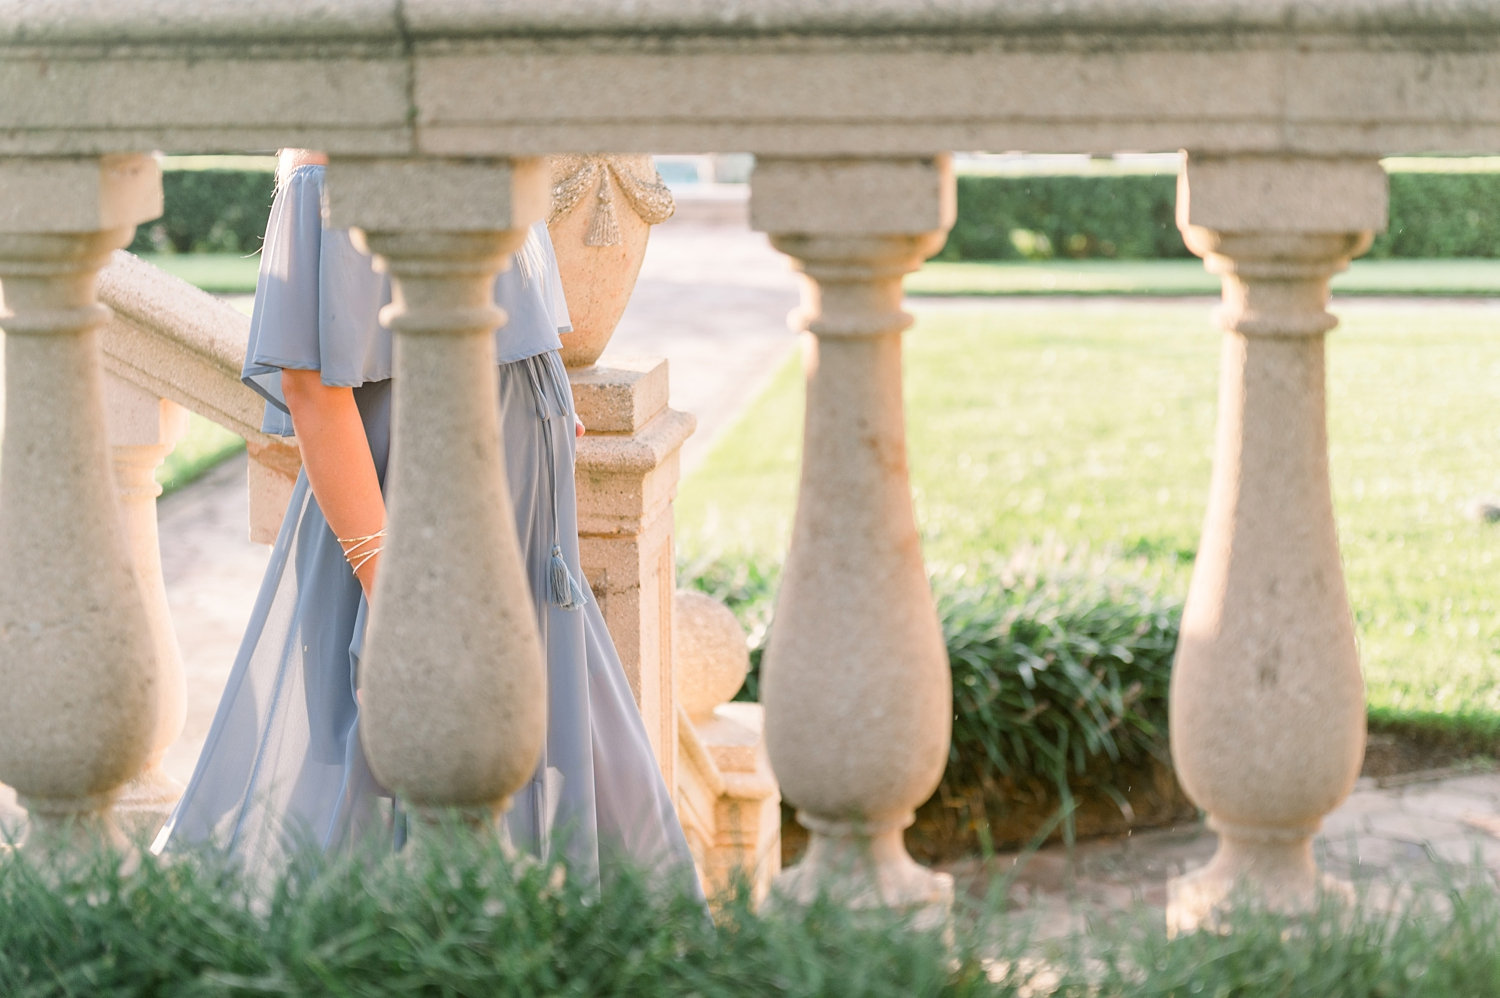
x,y
555,298
317,302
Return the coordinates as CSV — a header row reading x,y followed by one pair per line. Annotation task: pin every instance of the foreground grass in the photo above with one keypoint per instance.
x,y
1090,426
1173,278
461,920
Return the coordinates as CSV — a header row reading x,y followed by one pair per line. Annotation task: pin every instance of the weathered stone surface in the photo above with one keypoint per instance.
x,y
77,657
75,21
600,243
858,714
709,653
175,342
451,599
79,194
621,397
1267,701
143,429
102,21
450,196
1281,194
463,78
626,475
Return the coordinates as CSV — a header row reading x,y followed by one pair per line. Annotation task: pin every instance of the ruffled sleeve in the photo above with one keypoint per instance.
x,y
557,303
317,302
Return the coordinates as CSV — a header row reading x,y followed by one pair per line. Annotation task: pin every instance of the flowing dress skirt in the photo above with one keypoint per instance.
x,y
283,765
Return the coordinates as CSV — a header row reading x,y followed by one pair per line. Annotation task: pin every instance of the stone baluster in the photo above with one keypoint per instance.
x,y
80,708
454,688
143,429
1267,702
856,688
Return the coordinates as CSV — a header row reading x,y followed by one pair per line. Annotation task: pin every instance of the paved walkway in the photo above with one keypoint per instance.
x,y
1421,829
714,299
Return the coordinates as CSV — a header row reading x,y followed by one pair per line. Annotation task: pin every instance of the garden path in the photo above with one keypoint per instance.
x,y
1426,829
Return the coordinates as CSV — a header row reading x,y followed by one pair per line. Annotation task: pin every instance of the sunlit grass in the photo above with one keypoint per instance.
x,y
219,273
203,448
1091,426
1173,278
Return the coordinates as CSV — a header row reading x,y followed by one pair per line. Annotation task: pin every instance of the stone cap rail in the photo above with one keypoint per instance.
x,y
774,77
179,343
92,21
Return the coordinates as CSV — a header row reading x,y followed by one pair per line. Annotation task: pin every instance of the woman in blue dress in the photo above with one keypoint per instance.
x,y
282,763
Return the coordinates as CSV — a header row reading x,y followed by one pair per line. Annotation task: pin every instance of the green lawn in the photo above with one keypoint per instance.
x,y
1172,278
204,447
1090,425
219,273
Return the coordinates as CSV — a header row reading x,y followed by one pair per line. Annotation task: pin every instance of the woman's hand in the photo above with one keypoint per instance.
x,y
578,430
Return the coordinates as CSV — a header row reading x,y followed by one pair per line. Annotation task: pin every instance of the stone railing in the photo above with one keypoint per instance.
x,y
1284,107
169,349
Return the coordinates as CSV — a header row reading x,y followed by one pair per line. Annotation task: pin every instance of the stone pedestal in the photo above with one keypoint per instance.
x,y
626,474
79,717
1267,702
272,473
855,680
143,429
726,793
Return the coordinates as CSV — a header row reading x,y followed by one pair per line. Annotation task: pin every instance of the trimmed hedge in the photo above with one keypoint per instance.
x,y
1132,217
1000,217
1125,217
209,211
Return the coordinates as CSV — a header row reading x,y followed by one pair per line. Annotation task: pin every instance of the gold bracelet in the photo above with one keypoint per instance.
x,y
356,564
352,545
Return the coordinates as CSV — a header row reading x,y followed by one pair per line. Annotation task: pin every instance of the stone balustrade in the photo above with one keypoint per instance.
x,y
1284,106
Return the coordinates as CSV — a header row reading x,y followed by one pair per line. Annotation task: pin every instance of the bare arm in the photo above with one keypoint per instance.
x,y
336,454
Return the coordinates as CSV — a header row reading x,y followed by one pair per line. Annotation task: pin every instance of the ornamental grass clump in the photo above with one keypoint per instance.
x,y
455,917
448,917
1060,679
1060,673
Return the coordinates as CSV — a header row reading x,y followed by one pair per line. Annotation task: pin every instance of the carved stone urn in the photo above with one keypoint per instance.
x,y
603,208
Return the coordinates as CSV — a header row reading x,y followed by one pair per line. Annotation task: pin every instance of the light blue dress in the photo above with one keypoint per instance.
x,y
283,762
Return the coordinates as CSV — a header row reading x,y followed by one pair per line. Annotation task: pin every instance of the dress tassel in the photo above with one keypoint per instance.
x,y
566,592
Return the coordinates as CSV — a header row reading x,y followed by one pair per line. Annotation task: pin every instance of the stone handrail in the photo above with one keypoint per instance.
x,y
178,343
82,21
1284,108
834,78
181,343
